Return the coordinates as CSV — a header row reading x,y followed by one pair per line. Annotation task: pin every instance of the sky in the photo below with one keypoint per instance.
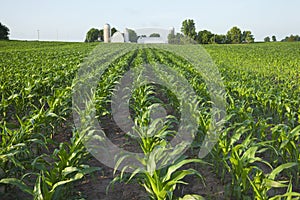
x,y
66,20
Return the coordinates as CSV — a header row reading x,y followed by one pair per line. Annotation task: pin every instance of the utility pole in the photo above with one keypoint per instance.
x,y
38,32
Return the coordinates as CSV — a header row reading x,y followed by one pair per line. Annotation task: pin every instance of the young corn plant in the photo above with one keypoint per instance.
x,y
160,183
262,183
161,173
243,161
18,148
55,172
286,142
68,166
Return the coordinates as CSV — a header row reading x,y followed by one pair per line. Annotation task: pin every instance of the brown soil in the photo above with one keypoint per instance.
x,y
94,187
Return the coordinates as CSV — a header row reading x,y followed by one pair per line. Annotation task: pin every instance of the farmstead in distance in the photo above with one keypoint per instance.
x,y
119,37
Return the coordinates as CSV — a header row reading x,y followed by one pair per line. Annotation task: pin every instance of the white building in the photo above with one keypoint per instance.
x,y
151,40
119,37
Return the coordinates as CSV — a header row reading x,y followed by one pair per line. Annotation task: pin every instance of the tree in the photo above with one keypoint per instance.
x,y
187,40
220,39
155,35
247,37
291,38
204,37
188,28
113,30
92,35
267,39
274,38
132,35
180,39
4,32
234,35
101,35
171,39
175,39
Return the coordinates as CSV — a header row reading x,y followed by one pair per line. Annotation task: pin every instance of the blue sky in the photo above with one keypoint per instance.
x,y
70,20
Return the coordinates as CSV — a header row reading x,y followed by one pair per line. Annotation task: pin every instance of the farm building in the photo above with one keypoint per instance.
x,y
119,37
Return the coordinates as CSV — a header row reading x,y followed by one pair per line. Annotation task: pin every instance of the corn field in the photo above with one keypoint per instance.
x,y
255,156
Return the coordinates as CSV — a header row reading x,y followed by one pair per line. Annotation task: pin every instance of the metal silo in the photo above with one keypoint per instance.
x,y
126,35
106,33
172,31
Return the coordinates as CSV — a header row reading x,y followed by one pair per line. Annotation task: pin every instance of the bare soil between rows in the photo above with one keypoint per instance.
x,y
94,187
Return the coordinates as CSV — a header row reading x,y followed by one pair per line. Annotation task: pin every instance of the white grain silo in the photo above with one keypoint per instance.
x,y
106,33
126,35
172,31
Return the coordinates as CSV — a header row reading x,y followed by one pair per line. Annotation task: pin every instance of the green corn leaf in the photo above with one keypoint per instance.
x,y
176,166
256,190
176,178
280,168
288,195
152,183
89,170
68,170
274,184
192,197
295,132
37,191
77,176
16,182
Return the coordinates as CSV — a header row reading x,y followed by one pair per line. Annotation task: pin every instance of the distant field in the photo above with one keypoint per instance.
x,y
256,156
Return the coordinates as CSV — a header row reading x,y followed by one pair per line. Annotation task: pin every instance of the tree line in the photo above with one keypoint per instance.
x,y
189,35
291,38
233,36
